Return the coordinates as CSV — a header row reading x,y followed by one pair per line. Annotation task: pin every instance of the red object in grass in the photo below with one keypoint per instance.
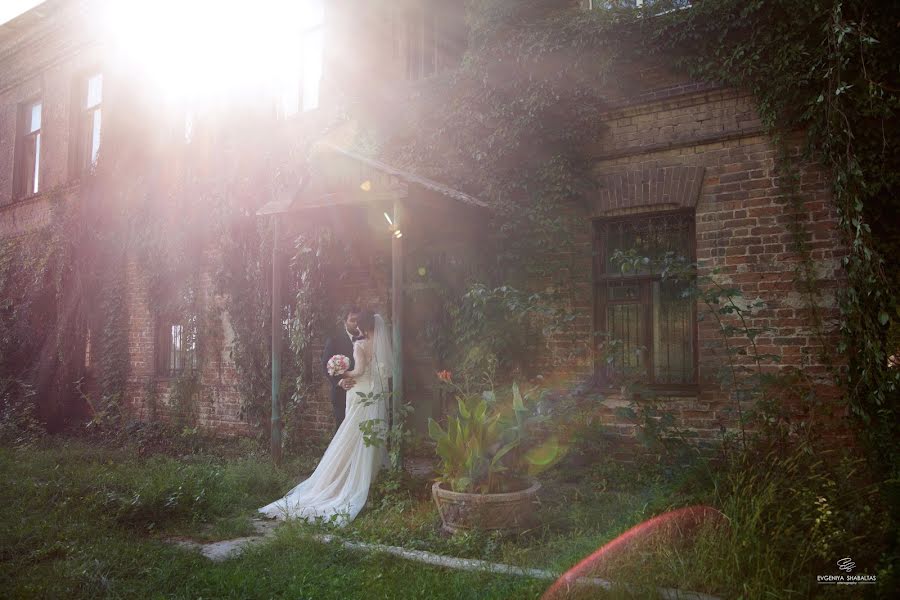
x,y
671,525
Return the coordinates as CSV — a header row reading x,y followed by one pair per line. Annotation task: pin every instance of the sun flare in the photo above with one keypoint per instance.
x,y
206,48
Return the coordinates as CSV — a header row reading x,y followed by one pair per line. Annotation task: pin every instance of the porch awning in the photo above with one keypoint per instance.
x,y
340,177
333,183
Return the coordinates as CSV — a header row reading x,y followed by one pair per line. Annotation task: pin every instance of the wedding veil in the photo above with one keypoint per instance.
x,y
383,350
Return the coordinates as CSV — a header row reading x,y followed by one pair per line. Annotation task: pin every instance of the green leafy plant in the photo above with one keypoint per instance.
x,y
504,327
19,425
376,432
491,446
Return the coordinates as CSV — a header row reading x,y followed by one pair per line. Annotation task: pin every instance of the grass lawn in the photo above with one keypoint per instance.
x,y
575,519
83,522
78,520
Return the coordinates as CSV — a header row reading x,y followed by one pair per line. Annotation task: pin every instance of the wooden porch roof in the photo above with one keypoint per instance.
x,y
317,194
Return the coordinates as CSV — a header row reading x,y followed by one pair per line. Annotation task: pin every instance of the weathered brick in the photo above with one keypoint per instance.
x,y
671,143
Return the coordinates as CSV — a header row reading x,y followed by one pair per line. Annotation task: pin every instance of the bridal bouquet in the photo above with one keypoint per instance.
x,y
338,365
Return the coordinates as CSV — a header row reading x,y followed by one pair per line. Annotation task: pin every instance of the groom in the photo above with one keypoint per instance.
x,y
341,343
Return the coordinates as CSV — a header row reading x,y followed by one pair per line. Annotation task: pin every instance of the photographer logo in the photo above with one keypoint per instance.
x,y
846,565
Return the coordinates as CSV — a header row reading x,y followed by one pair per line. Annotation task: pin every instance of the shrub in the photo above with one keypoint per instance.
x,y
490,447
19,425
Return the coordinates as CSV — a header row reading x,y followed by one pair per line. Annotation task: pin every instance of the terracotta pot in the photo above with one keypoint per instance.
x,y
511,511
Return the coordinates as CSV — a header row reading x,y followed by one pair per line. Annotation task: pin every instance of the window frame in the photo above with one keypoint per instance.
x,y
164,351
301,92
27,184
188,127
421,51
308,36
600,284
83,131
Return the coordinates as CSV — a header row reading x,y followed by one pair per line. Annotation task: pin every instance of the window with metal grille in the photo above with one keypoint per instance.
x,y
647,324
426,36
26,174
432,38
176,347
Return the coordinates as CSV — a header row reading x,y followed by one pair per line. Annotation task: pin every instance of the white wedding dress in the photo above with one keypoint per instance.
x,y
337,490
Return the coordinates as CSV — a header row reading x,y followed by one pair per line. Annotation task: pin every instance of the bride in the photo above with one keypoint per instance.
x,y
338,488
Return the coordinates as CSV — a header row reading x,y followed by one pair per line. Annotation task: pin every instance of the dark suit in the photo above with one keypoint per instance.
x,y
339,343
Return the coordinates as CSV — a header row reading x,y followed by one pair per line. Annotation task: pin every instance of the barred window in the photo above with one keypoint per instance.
x,y
434,36
176,347
647,324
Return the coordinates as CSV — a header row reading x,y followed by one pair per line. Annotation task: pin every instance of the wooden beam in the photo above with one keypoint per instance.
x,y
357,198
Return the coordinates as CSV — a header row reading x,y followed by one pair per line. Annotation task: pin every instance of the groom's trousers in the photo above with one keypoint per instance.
x,y
338,405
337,344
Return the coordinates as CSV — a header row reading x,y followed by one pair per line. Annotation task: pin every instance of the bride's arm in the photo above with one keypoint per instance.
x,y
360,359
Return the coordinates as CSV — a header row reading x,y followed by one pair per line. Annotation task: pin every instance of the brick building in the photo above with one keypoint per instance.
x,y
684,165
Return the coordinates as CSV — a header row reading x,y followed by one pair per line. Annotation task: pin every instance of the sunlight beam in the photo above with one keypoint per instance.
x,y
209,48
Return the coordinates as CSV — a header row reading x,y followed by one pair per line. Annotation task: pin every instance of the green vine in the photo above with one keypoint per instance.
x,y
511,124
826,69
59,283
313,264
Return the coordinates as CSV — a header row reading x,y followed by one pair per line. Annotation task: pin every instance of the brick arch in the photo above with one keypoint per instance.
x,y
639,190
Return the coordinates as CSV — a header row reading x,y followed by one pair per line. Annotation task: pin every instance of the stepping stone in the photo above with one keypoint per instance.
x,y
219,551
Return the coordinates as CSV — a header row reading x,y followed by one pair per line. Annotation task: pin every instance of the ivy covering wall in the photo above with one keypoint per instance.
x,y
511,125
508,125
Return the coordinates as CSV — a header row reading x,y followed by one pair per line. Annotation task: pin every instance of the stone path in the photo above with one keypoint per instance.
x,y
418,467
423,469
220,551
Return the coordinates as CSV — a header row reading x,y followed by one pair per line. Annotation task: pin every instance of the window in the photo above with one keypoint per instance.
x,y
303,93
428,36
421,42
313,51
87,136
28,154
393,13
188,126
649,324
176,347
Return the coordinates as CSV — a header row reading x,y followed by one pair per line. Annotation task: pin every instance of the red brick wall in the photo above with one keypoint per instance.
x,y
657,121
42,62
148,396
743,218
361,282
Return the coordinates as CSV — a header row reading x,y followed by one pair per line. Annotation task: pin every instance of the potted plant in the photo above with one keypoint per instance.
x,y
489,454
